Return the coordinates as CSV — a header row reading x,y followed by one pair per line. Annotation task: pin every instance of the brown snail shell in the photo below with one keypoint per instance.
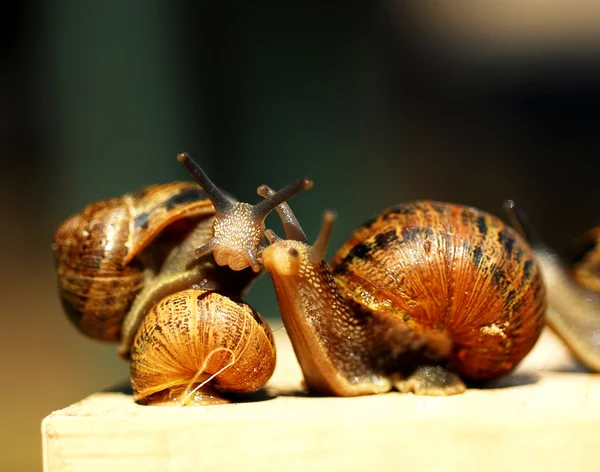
x,y
95,251
118,257
452,273
421,293
194,345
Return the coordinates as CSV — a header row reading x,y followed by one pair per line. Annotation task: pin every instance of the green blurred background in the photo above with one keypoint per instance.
x,y
378,102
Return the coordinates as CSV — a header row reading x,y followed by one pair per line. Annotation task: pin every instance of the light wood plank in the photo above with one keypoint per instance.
x,y
546,416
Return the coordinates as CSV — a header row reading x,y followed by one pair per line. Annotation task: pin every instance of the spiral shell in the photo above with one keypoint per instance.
x,y
195,344
457,283
95,251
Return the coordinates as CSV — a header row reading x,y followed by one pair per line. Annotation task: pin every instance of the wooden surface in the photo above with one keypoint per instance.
x,y
546,416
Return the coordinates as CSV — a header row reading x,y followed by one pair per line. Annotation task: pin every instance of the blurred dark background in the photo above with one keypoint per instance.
x,y
378,102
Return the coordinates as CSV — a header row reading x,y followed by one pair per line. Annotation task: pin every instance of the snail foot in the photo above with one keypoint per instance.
x,y
432,380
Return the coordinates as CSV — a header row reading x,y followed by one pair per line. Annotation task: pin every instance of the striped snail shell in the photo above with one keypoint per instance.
x,y
118,257
96,251
194,346
422,297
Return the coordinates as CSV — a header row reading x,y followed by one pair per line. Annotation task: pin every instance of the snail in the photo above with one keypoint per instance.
x,y
573,292
423,297
180,248
195,345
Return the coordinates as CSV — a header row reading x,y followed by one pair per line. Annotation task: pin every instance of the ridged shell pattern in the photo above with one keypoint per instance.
x,y
458,278
195,329
95,251
96,288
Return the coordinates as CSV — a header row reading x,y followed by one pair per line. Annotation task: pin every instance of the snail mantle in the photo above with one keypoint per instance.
x,y
545,416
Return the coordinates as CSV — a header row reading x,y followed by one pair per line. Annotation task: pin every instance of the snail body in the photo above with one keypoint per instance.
x,y
154,250
586,268
420,298
573,291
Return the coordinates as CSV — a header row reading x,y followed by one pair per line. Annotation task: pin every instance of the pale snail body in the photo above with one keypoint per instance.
x,y
573,292
118,259
419,297
573,310
586,268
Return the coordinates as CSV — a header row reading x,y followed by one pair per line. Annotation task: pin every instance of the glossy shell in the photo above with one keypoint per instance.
x,y
191,335
458,282
95,251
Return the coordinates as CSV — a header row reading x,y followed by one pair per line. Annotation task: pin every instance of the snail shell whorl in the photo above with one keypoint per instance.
x,y
95,250
457,276
196,329
96,288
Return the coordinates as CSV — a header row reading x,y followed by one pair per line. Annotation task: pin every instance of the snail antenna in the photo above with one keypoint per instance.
x,y
519,220
217,198
319,248
238,228
262,209
291,226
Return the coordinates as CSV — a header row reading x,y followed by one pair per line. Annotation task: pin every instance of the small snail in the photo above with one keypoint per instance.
x,y
420,297
573,293
194,336
122,258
